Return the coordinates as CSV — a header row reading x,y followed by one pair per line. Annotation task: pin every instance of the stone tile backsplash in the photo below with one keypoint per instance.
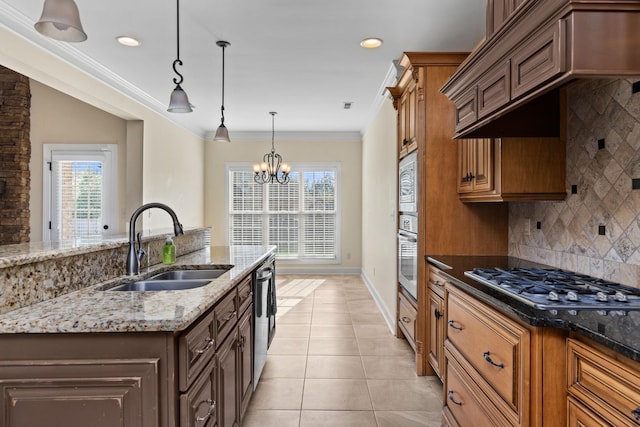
x,y
603,157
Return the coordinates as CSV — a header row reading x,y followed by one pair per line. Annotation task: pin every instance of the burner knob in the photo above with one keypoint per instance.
x,y
601,296
552,296
573,312
620,297
602,312
621,313
572,296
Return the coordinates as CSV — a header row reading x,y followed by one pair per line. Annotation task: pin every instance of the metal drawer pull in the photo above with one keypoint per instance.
x,y
230,315
636,413
212,408
451,398
436,283
437,314
487,357
207,346
405,319
453,325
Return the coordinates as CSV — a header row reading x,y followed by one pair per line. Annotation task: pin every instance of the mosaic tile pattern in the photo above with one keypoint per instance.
x,y
600,111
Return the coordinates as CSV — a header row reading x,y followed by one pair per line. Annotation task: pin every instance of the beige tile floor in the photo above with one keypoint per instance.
x,y
334,362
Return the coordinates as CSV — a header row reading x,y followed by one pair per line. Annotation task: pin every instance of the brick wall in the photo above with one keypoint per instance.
x,y
15,152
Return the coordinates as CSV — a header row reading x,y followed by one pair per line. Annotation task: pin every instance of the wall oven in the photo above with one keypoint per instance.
x,y
408,254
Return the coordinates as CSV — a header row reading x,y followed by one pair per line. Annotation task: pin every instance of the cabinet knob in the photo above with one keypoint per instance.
x,y
212,408
437,314
487,357
451,398
452,324
405,319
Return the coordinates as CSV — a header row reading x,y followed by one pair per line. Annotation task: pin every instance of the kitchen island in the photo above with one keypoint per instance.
x,y
92,356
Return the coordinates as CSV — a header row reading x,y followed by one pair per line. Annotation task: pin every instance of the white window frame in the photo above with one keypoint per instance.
x,y
334,166
106,152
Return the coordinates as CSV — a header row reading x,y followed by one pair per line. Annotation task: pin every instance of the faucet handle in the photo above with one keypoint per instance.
x,y
140,253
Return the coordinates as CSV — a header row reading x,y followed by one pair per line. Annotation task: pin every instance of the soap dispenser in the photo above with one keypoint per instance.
x,y
169,251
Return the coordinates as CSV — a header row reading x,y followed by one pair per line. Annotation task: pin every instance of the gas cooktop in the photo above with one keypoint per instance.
x,y
555,289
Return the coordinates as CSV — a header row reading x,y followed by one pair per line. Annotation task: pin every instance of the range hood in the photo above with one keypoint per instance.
x,y
510,85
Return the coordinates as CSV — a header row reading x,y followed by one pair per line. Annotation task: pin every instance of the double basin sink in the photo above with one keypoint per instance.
x,y
174,280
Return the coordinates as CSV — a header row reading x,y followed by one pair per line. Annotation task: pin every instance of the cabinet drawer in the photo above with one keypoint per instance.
x,y
494,346
436,281
225,316
462,399
607,385
538,60
580,415
198,405
195,350
245,295
407,318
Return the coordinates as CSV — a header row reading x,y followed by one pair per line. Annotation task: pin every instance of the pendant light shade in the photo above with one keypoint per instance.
x,y
179,101
222,134
60,20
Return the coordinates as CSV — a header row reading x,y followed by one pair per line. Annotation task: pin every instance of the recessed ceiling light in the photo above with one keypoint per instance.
x,y
371,42
128,41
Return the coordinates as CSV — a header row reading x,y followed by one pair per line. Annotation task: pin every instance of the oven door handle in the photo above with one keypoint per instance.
x,y
407,237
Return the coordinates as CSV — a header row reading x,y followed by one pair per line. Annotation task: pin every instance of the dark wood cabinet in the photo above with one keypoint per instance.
x,y
198,406
228,381
245,359
508,85
436,320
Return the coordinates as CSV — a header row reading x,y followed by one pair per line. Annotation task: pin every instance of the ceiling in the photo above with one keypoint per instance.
x,y
300,58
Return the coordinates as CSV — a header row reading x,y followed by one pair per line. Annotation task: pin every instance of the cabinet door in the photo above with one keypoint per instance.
x,y
483,165
228,382
198,405
580,416
466,148
70,393
436,332
245,332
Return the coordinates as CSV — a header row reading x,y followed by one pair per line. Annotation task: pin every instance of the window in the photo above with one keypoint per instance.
x,y
79,191
300,218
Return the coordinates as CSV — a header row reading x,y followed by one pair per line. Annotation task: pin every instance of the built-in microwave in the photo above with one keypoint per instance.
x,y
407,184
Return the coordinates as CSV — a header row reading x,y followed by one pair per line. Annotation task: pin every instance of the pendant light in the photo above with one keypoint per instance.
x,y
272,168
60,20
222,134
179,102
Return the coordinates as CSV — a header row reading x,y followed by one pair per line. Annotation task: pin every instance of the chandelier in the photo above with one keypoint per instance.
x,y
272,168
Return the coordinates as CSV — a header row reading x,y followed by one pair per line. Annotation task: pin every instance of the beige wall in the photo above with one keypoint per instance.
x,y
347,153
171,159
57,118
379,194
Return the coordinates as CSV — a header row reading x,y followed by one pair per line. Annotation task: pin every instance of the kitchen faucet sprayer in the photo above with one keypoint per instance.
x,y
135,257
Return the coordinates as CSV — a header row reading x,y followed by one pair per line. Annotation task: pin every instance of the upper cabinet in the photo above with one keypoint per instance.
x,y
511,169
508,86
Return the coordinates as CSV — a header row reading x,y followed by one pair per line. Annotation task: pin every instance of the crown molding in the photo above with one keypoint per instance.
x,y
389,80
251,136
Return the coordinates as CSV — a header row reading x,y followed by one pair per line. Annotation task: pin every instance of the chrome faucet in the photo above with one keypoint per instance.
x,y
135,257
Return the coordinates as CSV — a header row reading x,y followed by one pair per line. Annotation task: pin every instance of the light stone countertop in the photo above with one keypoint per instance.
x,y
93,309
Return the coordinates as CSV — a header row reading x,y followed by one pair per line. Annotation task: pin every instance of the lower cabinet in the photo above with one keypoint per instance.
x,y
407,315
228,382
436,321
496,368
200,377
604,387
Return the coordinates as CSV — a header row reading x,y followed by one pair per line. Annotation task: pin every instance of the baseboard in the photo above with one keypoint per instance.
x,y
383,308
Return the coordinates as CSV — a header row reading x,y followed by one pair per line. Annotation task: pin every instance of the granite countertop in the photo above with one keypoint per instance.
x,y
92,309
618,332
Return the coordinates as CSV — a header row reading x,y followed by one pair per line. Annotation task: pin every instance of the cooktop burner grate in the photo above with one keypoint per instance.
x,y
558,289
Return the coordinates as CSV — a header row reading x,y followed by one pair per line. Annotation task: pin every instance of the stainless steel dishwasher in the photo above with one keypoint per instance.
x,y
265,307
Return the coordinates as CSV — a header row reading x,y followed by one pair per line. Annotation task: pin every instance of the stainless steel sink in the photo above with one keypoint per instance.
x,y
190,274
160,285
